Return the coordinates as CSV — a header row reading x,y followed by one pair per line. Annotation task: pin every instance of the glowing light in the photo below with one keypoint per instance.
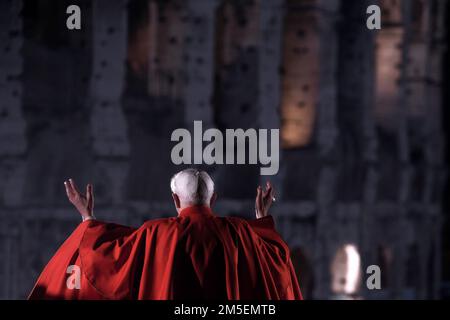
x,y
346,271
353,269
300,78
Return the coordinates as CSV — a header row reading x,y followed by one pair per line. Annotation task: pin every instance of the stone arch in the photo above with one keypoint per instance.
x,y
355,75
159,33
300,75
54,94
431,272
301,260
345,269
236,63
384,261
157,36
236,83
412,275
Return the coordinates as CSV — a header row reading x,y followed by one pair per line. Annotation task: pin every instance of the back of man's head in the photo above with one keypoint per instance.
x,y
193,187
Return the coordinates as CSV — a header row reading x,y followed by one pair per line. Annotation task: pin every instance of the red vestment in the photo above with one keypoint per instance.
x,y
196,255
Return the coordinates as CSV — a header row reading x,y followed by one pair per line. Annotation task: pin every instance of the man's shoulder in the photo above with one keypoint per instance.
x,y
236,221
265,222
159,222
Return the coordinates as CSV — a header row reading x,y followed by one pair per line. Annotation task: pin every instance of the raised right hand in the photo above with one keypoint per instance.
x,y
83,203
264,199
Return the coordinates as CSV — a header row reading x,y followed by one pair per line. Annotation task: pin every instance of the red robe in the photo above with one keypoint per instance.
x,y
196,255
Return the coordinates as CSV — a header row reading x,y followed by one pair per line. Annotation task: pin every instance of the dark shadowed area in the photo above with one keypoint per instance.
x,y
363,117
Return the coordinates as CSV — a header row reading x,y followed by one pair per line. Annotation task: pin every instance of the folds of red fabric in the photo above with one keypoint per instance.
x,y
196,255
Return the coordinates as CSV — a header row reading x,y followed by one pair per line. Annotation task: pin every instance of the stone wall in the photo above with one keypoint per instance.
x,y
359,111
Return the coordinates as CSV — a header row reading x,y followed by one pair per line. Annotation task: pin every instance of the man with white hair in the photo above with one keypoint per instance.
x,y
196,255
192,187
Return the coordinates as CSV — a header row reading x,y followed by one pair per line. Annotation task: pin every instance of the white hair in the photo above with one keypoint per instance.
x,y
192,186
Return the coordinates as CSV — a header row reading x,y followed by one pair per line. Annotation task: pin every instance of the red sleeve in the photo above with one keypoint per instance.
x,y
126,263
109,255
63,277
277,255
265,229
115,262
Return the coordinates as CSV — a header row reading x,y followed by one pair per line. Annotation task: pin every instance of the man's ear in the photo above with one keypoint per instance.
x,y
176,200
213,199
